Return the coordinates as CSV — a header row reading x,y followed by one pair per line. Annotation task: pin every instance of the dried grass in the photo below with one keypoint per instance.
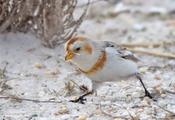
x,y
51,20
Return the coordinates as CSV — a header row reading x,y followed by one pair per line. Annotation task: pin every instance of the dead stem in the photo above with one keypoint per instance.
x,y
170,112
110,115
154,53
93,2
27,99
2,72
147,45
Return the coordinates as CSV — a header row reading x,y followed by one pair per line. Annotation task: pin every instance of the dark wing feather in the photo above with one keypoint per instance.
x,y
123,52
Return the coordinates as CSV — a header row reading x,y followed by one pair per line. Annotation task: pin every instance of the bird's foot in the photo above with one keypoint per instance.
x,y
147,94
80,99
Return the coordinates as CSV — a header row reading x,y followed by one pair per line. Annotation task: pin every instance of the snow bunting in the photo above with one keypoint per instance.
x,y
101,62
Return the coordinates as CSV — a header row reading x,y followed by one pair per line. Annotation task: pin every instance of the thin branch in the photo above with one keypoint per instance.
x,y
172,113
29,100
79,21
75,83
3,85
123,117
81,87
147,45
132,117
171,92
83,5
110,115
154,53
2,72
8,21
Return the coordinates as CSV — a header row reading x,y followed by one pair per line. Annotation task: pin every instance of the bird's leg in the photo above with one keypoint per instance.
x,y
147,93
81,99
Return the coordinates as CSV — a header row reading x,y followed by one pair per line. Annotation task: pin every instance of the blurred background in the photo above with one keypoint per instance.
x,y
36,83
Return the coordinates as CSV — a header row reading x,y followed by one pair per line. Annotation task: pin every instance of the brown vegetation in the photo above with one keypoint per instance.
x,y
51,20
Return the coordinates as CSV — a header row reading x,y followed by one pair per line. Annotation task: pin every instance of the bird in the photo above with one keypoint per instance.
x,y
101,61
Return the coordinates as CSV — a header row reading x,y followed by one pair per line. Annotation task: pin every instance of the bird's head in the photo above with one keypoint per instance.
x,y
85,53
77,48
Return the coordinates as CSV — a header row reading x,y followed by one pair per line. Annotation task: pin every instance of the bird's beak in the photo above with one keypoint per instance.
x,y
69,56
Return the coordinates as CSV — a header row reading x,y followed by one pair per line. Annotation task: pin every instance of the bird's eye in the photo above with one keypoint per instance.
x,y
77,49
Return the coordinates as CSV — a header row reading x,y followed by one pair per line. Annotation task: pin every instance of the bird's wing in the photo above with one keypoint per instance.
x,y
121,51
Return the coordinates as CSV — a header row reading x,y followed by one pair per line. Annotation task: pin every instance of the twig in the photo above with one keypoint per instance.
x,y
154,53
123,117
81,87
79,21
7,22
75,83
172,113
83,5
171,92
146,45
30,100
110,115
132,117
2,74
3,85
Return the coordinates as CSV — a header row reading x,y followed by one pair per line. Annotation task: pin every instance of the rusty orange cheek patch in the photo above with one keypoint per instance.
x,y
88,48
97,66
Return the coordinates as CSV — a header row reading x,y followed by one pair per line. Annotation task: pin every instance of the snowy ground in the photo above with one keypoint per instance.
x,y
37,73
